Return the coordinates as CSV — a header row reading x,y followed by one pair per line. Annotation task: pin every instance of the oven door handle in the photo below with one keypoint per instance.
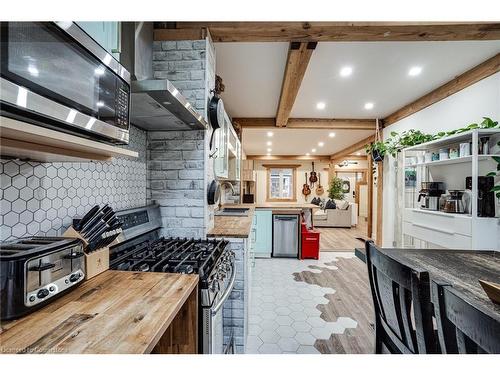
x,y
226,293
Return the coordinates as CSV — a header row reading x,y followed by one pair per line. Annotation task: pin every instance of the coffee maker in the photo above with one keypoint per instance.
x,y
485,197
431,191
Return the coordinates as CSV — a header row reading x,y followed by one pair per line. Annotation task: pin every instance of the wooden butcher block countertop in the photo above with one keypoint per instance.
x,y
115,312
240,226
233,226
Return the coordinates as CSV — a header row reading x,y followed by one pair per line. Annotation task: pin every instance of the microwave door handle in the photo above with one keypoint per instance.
x,y
226,293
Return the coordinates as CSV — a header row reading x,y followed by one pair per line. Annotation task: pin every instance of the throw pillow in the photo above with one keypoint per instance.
x,y
342,205
330,205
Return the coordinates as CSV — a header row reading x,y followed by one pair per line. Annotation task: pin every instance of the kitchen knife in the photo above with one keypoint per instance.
x,y
98,230
91,224
87,217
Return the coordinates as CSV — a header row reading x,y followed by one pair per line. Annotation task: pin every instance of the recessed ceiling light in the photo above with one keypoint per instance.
x,y
369,105
321,105
313,150
321,144
346,71
307,154
269,143
331,135
269,150
415,71
358,153
270,134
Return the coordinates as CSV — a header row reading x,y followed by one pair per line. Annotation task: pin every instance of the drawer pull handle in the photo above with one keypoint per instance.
x,y
434,229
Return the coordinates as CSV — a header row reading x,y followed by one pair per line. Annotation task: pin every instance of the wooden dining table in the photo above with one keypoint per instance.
x,y
461,268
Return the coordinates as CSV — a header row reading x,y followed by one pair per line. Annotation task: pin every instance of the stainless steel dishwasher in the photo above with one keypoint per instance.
x,y
286,236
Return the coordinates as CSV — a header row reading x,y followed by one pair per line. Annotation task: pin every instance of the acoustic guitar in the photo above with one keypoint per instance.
x,y
320,190
306,190
313,178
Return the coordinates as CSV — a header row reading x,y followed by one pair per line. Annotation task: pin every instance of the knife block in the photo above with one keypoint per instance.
x,y
97,261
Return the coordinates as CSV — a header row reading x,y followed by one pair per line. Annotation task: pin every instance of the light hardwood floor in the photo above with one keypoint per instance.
x,y
351,299
342,239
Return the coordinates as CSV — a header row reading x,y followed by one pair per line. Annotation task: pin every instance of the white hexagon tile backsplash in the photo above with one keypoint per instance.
x,y
42,198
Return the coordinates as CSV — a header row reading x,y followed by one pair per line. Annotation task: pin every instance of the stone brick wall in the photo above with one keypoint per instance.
x,y
179,170
236,307
176,180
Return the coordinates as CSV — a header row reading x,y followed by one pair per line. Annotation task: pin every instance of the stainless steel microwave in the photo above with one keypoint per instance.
x,y
54,74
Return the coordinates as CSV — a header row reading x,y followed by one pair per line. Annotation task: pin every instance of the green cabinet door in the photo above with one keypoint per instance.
x,y
263,233
107,34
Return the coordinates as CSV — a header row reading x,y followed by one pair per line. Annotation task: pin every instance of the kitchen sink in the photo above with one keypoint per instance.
x,y
232,211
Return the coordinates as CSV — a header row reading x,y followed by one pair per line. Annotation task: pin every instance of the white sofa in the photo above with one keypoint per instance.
x,y
334,218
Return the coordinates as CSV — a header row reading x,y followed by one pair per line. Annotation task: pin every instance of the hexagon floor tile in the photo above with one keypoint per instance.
x,y
284,317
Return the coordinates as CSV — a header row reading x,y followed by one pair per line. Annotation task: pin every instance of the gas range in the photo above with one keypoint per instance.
x,y
208,258
142,249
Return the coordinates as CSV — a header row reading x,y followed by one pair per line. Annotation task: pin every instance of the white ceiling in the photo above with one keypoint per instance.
x,y
380,75
299,141
253,74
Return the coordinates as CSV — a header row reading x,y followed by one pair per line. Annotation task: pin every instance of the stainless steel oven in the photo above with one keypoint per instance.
x,y
217,320
54,74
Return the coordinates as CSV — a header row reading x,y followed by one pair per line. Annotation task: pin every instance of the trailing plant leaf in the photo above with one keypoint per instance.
x,y
488,123
491,174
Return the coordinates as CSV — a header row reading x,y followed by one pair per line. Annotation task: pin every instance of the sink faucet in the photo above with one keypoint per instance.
x,y
226,183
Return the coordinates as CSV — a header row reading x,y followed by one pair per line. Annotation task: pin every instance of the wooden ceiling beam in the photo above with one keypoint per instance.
x,y
476,74
299,55
307,123
353,148
324,158
344,31
319,123
179,34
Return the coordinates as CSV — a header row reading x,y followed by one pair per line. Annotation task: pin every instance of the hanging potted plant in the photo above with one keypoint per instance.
x,y
378,148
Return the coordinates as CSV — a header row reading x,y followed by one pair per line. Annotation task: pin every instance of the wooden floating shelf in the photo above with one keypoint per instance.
x,y
25,141
463,159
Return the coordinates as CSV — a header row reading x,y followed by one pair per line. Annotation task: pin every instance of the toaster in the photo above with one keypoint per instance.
x,y
35,271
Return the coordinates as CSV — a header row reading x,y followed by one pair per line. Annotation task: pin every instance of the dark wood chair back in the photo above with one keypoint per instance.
x,y
463,328
403,310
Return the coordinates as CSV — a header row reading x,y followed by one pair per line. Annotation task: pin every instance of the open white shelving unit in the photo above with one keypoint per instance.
x,y
437,229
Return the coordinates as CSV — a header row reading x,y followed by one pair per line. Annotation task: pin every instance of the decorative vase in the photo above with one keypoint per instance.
x,y
464,149
453,152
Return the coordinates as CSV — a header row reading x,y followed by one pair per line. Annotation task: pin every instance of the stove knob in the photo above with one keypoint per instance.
x,y
52,288
32,298
42,293
75,277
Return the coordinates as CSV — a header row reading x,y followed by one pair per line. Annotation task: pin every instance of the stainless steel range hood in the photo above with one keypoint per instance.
x,y
158,105
155,103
